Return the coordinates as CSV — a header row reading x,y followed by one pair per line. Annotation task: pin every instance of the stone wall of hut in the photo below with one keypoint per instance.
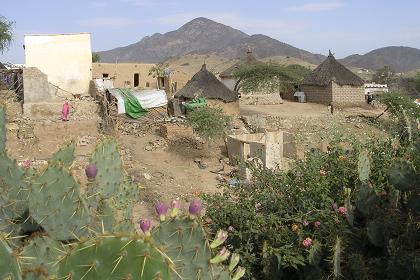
x,y
348,95
318,94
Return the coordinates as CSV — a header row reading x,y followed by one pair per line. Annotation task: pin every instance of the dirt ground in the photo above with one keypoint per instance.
x,y
168,169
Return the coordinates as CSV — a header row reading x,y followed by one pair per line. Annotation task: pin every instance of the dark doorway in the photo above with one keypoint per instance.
x,y
105,75
136,79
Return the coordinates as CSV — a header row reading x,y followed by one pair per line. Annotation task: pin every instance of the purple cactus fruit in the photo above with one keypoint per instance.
x,y
317,224
334,207
195,208
145,226
161,210
91,171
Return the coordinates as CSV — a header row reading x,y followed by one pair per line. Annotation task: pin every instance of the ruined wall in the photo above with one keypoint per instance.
x,y
66,59
318,94
348,95
123,74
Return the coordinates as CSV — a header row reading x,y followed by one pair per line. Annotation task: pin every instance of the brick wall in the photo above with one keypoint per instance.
x,y
318,94
348,95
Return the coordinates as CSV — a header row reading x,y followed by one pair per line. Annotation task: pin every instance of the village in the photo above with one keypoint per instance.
x,y
160,150
287,163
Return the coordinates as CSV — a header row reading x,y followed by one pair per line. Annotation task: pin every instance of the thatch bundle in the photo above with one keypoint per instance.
x,y
332,71
205,84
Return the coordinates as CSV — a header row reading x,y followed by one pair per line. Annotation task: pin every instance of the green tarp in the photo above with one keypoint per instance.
x,y
195,103
132,106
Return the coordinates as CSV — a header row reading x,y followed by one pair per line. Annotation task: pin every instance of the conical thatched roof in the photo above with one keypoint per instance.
x,y
248,59
331,70
205,84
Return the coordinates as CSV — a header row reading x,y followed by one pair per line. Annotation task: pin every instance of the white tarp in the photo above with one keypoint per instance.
x,y
147,98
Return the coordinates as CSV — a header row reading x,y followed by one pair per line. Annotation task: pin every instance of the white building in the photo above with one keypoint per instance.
x,y
372,88
65,58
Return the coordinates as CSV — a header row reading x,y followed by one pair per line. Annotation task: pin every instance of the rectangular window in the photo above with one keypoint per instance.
x,y
105,75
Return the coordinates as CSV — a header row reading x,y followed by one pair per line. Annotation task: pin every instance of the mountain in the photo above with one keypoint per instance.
x,y
399,59
202,36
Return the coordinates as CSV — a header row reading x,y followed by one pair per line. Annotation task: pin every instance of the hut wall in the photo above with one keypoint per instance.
x,y
229,108
318,94
348,95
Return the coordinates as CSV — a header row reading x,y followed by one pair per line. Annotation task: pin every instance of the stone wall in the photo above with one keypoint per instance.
x,y
348,95
318,94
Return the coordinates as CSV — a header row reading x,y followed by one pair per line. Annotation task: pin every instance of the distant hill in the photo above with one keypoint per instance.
x,y
204,36
400,59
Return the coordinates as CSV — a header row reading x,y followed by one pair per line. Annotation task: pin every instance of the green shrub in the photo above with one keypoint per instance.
x,y
271,217
208,122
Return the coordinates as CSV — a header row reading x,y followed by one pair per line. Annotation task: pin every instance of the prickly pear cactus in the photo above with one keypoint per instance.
x,y
2,130
363,166
403,177
65,155
108,161
9,268
115,257
41,254
14,189
185,242
55,203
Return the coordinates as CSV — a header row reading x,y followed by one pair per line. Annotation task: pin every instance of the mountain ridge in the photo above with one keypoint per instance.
x,y
205,36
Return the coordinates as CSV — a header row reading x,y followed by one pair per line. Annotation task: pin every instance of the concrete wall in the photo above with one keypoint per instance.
x,y
348,95
268,147
318,94
123,74
66,59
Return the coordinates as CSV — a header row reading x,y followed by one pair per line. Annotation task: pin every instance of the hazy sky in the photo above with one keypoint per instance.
x,y
345,26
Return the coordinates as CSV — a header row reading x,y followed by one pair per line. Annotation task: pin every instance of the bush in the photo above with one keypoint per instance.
x,y
289,225
208,122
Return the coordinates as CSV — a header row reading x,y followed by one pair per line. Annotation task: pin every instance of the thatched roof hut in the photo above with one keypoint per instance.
x,y
248,59
205,84
332,71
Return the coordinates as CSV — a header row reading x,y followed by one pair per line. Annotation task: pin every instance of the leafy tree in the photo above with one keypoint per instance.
x,y
157,71
268,76
6,34
384,76
208,122
96,57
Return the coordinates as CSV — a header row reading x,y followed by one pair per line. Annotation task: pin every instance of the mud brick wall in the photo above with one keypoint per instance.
x,y
348,95
318,94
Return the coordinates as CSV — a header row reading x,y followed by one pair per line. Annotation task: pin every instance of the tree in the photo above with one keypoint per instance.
x,y
157,71
268,76
6,33
96,57
384,76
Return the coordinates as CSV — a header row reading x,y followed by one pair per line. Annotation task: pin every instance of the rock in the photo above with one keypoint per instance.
x,y
148,148
147,176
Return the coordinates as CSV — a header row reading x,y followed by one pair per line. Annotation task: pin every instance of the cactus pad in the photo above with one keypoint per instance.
x,y
108,161
185,242
114,258
64,155
363,166
14,189
9,268
2,130
56,205
403,177
41,254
